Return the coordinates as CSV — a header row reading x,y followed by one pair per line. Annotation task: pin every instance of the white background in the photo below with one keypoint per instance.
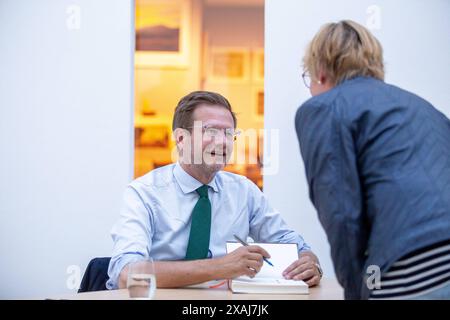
x,y
65,138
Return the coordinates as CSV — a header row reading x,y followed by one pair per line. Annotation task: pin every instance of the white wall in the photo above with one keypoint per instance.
x,y
65,137
415,38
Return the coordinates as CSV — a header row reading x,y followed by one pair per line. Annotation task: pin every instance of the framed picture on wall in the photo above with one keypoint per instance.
x,y
163,29
229,65
258,65
153,131
152,136
258,101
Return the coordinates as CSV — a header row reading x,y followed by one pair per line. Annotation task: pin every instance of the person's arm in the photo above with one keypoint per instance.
x,y
172,274
132,235
330,160
266,223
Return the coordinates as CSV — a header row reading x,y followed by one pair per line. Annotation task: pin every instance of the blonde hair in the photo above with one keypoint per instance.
x,y
343,51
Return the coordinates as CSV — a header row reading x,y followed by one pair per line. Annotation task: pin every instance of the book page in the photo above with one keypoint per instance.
x,y
271,281
281,256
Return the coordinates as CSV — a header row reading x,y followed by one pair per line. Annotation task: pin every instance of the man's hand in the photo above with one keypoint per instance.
x,y
305,268
246,260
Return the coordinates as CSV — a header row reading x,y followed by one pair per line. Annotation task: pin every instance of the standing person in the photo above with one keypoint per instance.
x,y
377,161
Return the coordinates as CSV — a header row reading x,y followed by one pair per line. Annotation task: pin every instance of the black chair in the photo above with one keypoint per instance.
x,y
96,275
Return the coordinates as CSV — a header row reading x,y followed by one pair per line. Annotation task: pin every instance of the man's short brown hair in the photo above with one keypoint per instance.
x,y
183,112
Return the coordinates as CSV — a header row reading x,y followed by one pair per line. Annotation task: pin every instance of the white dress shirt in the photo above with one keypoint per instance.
x,y
155,219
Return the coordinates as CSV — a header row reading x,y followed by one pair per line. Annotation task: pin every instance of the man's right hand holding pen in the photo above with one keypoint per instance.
x,y
246,260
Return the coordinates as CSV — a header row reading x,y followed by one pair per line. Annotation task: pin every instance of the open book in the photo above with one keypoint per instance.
x,y
270,278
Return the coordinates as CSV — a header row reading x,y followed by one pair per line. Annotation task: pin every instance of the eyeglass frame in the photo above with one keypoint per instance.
x,y
224,130
305,75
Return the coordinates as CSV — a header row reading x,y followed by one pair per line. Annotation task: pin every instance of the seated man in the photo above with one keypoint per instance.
x,y
183,214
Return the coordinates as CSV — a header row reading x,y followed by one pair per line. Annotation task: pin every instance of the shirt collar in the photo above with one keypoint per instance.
x,y
188,183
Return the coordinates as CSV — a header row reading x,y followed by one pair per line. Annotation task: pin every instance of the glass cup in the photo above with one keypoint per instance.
x,y
141,282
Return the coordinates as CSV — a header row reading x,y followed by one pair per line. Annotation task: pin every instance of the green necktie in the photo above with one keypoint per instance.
x,y
198,245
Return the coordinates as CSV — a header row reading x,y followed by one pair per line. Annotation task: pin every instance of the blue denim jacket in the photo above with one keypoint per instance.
x,y
377,160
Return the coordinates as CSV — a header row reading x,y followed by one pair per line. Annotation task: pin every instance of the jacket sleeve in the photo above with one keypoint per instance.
x,y
330,160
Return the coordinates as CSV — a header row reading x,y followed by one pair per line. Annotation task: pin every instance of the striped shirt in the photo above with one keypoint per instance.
x,y
416,274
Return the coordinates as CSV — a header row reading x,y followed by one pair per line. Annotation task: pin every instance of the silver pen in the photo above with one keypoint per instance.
x,y
246,244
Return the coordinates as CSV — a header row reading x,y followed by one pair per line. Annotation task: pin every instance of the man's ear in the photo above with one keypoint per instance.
x,y
180,137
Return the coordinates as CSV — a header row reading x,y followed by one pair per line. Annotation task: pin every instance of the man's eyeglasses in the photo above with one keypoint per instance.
x,y
306,79
212,132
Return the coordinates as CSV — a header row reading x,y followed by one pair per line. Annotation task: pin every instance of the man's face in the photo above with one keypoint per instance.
x,y
211,148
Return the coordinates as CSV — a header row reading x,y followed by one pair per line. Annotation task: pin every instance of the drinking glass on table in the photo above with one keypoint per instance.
x,y
141,282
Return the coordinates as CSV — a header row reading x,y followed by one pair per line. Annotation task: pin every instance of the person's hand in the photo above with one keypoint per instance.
x,y
246,260
305,268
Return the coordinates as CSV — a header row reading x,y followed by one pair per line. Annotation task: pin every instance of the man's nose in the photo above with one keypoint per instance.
x,y
221,142
220,138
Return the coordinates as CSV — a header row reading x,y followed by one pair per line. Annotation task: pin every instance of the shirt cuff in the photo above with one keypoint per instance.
x,y
116,266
